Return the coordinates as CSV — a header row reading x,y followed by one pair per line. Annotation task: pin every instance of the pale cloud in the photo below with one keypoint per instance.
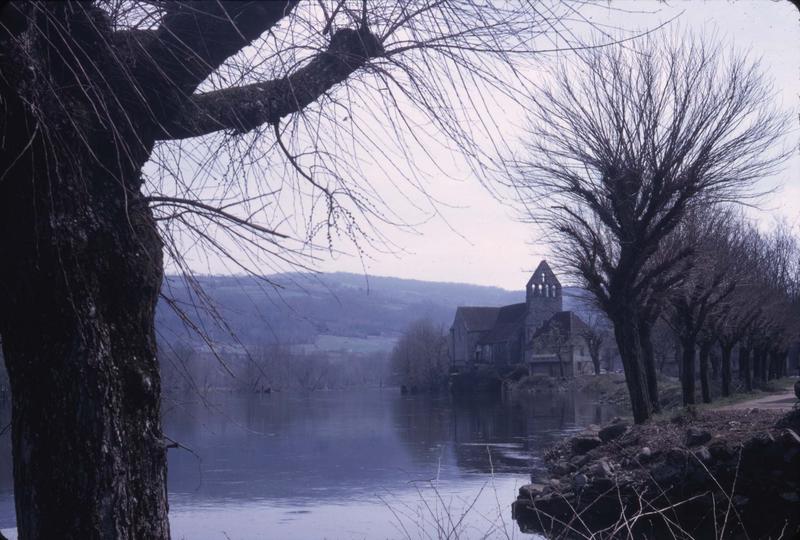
x,y
482,242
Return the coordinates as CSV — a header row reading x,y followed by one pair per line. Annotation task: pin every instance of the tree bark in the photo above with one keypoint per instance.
x,y
776,363
627,335
744,368
687,373
649,360
755,359
705,352
715,366
79,345
726,369
81,273
759,358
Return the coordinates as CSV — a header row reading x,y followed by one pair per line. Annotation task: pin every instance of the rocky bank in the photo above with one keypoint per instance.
x,y
715,474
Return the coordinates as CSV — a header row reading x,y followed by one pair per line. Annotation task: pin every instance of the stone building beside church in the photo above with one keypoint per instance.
x,y
536,333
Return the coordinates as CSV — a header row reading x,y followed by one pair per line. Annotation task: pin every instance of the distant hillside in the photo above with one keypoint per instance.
x,y
298,309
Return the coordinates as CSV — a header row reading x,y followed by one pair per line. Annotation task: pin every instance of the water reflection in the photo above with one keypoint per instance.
x,y
354,464
495,435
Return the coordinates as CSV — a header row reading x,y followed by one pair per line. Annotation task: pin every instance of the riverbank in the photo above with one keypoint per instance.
x,y
607,388
697,474
610,388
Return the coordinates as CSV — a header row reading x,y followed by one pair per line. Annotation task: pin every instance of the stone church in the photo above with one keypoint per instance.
x,y
536,333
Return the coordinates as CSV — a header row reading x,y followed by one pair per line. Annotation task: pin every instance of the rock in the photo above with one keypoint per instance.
x,y
530,491
720,451
578,461
702,454
676,456
561,468
599,485
696,437
790,496
613,431
579,481
644,454
583,444
601,469
667,474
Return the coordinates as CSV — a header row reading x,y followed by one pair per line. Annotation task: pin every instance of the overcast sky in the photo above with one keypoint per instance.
x,y
478,240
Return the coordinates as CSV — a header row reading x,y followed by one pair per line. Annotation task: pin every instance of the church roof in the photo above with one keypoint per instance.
x,y
510,319
566,322
478,319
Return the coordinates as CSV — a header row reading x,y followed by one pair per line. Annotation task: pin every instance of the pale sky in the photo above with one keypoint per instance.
x,y
472,237
482,243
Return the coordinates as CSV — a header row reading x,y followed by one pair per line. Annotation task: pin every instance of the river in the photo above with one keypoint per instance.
x,y
355,464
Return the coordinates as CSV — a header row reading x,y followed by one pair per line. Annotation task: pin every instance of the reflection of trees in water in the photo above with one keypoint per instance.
x,y
515,430
280,446
327,444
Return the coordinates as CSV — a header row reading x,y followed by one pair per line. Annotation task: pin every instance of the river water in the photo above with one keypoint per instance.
x,y
356,464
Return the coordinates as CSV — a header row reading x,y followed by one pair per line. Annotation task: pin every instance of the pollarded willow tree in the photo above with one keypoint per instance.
x,y
135,129
623,142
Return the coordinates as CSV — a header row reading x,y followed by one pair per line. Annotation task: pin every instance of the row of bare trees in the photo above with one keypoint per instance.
x,y
739,289
631,150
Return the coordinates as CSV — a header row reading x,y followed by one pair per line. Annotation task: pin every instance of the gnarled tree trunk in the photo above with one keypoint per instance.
x,y
726,369
705,389
745,370
627,334
687,372
81,272
649,360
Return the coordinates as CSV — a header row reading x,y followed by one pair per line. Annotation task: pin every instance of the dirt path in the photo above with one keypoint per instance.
x,y
782,401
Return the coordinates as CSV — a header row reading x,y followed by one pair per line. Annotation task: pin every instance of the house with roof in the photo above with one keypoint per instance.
x,y
536,333
558,348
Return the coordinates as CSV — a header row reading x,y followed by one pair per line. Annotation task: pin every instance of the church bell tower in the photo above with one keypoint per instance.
x,y
543,297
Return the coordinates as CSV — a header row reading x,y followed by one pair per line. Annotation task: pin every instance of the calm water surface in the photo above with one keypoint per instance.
x,y
360,464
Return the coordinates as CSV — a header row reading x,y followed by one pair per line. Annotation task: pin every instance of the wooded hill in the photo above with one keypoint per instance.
x,y
296,308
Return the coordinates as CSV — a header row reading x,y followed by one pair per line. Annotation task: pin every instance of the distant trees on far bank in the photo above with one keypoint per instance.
x,y
269,368
419,360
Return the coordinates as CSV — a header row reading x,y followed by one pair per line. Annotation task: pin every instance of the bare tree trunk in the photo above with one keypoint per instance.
x,y
726,369
89,456
744,368
627,335
783,360
755,359
715,365
648,358
759,358
687,372
705,351
81,273
776,361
